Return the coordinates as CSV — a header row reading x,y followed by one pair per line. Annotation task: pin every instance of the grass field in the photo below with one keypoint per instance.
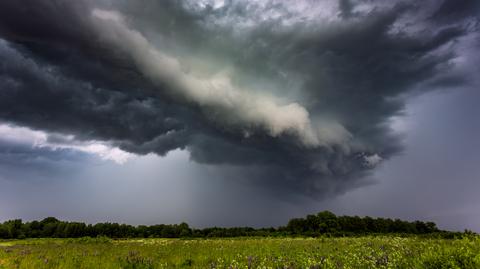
x,y
363,252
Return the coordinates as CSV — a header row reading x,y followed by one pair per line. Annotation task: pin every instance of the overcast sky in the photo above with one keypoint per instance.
x,y
235,113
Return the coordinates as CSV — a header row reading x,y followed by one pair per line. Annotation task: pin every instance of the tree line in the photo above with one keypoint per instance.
x,y
323,223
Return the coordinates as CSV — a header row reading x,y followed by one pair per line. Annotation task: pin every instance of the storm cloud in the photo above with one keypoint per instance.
x,y
298,97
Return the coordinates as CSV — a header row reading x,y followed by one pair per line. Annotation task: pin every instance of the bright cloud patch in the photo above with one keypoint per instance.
x,y
40,139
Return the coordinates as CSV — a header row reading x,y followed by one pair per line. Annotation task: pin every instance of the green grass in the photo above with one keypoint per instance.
x,y
362,252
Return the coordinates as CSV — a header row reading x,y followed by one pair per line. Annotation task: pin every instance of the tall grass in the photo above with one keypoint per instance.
x,y
361,252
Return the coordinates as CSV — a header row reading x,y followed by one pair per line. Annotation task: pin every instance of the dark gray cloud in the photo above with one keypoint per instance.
x,y
300,103
453,11
26,163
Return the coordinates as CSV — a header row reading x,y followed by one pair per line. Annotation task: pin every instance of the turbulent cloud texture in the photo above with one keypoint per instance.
x,y
296,96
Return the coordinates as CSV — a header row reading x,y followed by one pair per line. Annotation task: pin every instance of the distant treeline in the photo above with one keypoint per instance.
x,y
323,223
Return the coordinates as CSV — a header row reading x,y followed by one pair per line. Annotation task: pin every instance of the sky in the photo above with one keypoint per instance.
x,y
240,113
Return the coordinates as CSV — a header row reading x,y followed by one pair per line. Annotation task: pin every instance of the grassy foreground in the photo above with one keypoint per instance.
x,y
362,252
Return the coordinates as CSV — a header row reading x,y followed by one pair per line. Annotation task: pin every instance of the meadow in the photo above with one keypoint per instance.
x,y
323,252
